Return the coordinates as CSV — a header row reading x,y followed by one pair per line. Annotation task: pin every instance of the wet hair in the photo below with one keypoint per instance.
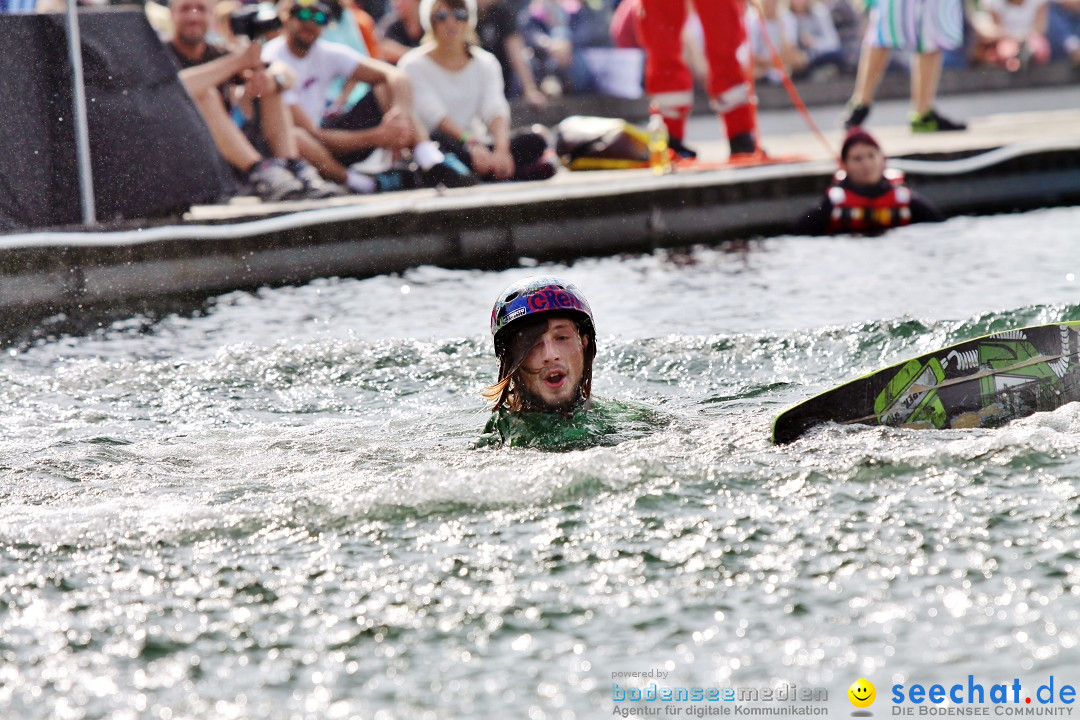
x,y
509,391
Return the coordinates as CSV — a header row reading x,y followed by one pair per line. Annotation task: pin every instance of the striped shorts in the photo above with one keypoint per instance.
x,y
916,25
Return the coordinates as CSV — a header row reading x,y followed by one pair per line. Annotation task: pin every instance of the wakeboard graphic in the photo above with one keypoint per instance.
x,y
985,382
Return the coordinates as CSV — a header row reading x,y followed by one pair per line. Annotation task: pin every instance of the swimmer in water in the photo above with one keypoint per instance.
x,y
545,342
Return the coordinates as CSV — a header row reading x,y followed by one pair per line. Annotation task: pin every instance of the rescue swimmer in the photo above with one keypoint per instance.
x,y
865,197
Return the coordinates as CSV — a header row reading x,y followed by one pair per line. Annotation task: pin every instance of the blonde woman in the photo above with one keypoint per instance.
x,y
458,96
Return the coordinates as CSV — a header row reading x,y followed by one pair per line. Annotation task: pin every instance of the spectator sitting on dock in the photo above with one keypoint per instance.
x,y
340,143
819,39
849,26
558,60
1064,30
260,144
783,31
459,97
496,28
400,31
1014,31
353,26
865,197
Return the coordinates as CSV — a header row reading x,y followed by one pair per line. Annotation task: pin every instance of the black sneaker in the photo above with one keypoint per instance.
x,y
856,116
450,173
680,149
539,170
930,121
743,144
271,181
315,187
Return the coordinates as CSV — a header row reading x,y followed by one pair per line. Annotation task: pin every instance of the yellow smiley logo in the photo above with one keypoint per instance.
x,y
862,693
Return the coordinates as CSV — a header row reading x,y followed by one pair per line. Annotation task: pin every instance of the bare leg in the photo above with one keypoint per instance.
x,y
318,155
344,142
924,81
872,64
277,127
230,142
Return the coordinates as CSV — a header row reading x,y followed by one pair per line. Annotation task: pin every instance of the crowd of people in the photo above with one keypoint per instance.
x,y
544,47
355,96
331,97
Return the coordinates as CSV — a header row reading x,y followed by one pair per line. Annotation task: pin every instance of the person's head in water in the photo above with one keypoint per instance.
x,y
545,341
862,158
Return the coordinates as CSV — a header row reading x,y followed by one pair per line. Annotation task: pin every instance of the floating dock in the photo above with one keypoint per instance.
x,y
1003,163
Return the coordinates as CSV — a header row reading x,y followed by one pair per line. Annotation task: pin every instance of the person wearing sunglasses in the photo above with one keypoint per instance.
x,y
242,104
311,14
459,97
342,145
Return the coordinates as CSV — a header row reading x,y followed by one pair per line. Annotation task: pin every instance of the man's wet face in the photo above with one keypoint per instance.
x,y
554,366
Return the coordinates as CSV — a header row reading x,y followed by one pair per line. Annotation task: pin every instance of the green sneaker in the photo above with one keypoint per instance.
x,y
931,121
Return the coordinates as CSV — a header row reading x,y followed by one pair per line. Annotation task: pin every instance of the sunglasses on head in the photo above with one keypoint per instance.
x,y
459,14
304,14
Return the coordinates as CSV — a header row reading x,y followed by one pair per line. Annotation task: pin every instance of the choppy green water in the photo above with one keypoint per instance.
x,y
272,508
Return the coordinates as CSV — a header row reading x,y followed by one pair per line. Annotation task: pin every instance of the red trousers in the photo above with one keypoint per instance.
x,y
667,78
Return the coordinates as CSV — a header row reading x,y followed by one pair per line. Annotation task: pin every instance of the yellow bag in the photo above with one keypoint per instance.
x,y
597,143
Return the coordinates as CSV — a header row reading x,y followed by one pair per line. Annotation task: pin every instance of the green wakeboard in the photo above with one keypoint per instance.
x,y
984,382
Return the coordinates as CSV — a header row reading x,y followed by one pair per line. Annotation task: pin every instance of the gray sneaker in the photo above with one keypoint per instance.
x,y
272,181
315,187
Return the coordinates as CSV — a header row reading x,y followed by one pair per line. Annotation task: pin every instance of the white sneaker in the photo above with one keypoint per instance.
x,y
315,186
380,160
271,181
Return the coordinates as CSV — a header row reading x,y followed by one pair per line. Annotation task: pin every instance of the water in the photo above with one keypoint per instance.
x,y
271,506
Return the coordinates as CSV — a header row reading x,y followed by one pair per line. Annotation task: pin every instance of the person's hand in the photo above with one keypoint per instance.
x,y
260,83
537,99
481,159
502,163
397,130
282,74
251,57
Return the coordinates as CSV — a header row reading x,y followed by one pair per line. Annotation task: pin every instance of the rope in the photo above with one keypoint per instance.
x,y
778,63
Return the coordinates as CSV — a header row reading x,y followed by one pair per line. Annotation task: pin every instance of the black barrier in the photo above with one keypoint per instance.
x,y
151,153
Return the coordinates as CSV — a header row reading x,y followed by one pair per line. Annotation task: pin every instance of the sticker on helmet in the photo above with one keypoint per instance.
x,y
553,298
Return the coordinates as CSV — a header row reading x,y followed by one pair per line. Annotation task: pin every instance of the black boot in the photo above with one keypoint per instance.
x,y
743,144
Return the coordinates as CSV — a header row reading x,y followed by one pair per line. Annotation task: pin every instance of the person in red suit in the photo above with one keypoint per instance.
x,y
668,80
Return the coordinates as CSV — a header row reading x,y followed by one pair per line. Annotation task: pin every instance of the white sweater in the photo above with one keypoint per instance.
x,y
471,97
